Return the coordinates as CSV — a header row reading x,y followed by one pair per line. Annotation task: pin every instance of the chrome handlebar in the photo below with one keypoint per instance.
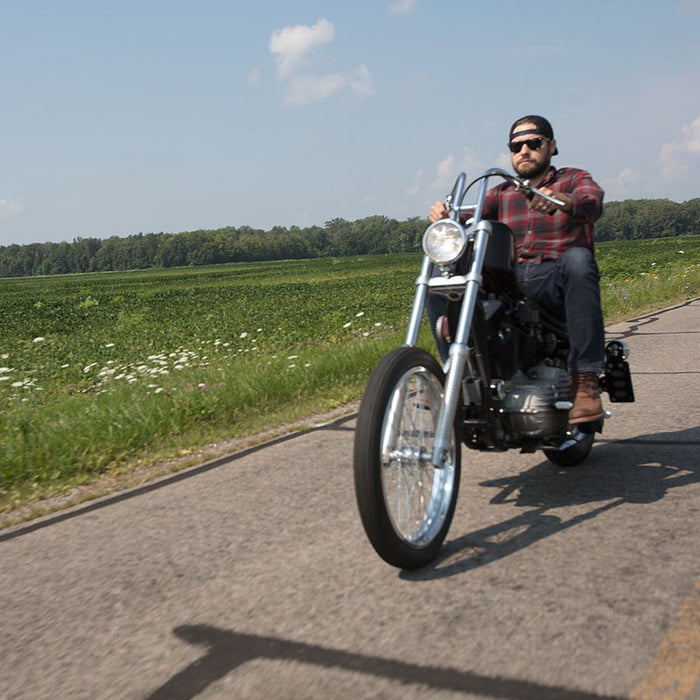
x,y
453,201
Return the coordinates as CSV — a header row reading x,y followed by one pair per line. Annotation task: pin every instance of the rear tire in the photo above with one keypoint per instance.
x,y
406,504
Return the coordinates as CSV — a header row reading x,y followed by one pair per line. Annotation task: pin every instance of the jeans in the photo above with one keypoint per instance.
x,y
569,290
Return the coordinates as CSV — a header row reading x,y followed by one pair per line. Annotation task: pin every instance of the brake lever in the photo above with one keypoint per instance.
x,y
529,190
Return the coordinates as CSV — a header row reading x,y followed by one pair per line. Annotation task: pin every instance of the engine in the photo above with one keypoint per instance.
x,y
535,403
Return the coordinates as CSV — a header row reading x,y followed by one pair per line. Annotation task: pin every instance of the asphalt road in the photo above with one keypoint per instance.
x,y
251,577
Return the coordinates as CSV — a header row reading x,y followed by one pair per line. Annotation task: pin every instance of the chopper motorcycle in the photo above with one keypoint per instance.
x,y
504,385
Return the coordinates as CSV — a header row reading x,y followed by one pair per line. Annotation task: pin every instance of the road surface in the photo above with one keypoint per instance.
x,y
251,577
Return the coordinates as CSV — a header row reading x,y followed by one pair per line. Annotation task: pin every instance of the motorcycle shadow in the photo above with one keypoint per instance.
x,y
639,470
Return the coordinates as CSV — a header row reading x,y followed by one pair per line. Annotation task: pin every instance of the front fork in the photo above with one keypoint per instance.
x,y
459,349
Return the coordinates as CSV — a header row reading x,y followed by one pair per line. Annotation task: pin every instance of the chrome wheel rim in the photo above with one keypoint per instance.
x,y
417,494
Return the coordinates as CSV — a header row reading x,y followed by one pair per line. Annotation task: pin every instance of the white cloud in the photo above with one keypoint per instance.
x,y
626,177
415,187
623,185
291,44
691,134
8,208
675,158
361,81
303,89
428,188
448,169
445,174
401,7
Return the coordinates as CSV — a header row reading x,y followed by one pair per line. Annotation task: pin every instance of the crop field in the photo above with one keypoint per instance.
x,y
100,372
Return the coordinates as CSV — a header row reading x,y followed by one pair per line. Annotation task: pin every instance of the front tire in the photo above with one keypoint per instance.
x,y
406,504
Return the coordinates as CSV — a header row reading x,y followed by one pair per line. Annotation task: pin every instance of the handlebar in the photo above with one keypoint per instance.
x,y
453,201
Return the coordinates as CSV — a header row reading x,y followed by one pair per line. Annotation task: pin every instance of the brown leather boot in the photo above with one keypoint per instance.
x,y
587,403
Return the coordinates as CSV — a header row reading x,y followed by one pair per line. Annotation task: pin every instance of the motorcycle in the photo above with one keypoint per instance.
x,y
504,384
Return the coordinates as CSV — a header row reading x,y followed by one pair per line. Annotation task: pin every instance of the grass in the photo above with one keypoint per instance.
x,y
644,275
102,373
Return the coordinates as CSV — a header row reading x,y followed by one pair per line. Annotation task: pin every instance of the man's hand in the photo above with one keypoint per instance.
x,y
542,205
437,212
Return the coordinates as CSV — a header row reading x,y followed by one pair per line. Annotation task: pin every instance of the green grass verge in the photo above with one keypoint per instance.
x,y
105,373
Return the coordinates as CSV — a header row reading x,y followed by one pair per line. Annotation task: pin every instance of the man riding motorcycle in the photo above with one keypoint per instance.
x,y
554,251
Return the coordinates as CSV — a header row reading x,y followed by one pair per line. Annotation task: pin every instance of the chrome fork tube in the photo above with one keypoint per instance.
x,y
419,302
459,350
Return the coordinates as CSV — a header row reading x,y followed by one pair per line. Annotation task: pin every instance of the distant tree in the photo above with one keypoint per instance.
x,y
628,219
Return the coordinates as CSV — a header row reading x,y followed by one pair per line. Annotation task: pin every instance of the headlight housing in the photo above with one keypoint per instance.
x,y
444,241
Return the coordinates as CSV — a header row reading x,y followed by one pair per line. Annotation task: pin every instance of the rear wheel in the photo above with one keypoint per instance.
x,y
405,502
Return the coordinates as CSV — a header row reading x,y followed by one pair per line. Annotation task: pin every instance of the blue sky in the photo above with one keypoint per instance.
x,y
148,116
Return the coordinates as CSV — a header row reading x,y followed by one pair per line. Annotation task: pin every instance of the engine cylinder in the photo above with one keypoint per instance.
x,y
529,406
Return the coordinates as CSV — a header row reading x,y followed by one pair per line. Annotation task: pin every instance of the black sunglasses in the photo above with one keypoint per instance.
x,y
533,144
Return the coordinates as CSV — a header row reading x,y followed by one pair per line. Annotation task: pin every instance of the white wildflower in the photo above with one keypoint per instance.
x,y
243,335
292,357
39,339
359,313
348,324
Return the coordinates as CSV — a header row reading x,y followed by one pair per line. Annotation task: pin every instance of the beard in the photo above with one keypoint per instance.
x,y
531,168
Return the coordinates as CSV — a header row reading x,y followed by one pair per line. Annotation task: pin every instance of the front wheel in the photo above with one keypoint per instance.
x,y
406,504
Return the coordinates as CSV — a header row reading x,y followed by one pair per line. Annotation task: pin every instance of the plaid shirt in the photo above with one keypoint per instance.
x,y
544,237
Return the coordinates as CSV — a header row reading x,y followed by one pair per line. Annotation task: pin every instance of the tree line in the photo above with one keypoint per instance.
x,y
625,220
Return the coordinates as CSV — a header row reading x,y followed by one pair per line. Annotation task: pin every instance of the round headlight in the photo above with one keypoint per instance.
x,y
444,241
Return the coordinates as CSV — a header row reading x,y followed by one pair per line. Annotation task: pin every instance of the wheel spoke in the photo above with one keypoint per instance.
x,y
417,494
405,502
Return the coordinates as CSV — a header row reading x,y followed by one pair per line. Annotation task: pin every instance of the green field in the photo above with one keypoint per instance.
x,y
100,372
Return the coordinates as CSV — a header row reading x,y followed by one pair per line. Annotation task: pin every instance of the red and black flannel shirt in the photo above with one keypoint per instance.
x,y
544,237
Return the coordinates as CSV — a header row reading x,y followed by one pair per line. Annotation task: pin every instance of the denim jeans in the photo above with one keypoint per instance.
x,y
569,290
